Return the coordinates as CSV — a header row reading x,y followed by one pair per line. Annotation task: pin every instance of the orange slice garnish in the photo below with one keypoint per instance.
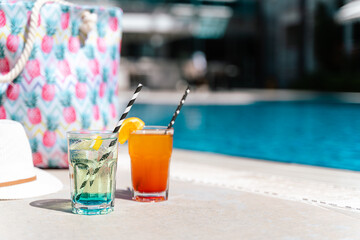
x,y
128,126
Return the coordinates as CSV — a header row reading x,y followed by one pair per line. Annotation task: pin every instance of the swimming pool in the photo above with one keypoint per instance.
x,y
322,132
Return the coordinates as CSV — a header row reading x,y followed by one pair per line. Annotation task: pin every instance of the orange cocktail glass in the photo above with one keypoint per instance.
x,y
150,152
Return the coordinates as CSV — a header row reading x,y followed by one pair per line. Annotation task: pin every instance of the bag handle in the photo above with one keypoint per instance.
x,y
20,64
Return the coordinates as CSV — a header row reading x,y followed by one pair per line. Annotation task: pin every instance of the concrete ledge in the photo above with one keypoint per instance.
x,y
219,98
308,184
205,202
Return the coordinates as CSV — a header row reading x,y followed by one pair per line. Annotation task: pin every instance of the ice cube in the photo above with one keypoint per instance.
x,y
92,155
103,149
81,145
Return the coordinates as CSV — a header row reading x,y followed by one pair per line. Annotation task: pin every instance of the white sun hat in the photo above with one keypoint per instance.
x,y
18,176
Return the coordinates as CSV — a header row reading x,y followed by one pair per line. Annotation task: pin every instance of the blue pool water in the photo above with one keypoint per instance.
x,y
320,133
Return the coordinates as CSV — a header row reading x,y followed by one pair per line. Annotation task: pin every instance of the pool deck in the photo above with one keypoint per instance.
x,y
211,197
238,97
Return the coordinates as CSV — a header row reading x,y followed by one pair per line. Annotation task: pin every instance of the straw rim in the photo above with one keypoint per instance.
x,y
153,129
91,134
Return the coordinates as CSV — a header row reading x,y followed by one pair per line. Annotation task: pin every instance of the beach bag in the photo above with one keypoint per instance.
x,y
58,72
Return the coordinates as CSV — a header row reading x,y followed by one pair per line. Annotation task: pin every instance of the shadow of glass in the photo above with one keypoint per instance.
x,y
62,205
125,194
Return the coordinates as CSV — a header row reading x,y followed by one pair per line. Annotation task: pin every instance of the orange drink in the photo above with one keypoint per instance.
x,y
150,151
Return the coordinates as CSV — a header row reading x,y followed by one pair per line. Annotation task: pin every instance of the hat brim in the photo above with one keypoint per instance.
x,y
44,184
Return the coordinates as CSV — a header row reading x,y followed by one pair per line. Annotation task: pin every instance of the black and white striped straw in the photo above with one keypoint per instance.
x,y
177,111
127,109
118,126
112,143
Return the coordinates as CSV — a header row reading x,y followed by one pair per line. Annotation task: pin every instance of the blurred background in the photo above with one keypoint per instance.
x,y
269,78
234,44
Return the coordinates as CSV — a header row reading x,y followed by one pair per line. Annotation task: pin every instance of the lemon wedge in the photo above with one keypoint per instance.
x,y
129,125
97,143
94,143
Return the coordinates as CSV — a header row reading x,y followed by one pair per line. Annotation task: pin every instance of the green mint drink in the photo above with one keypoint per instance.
x,y
92,178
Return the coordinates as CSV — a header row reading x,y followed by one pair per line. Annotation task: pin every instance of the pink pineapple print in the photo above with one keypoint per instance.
x,y
74,42
63,64
114,62
2,18
85,121
13,90
103,84
33,64
101,43
105,119
93,62
65,17
111,103
53,163
113,21
49,137
12,41
48,40
48,91
2,108
16,117
95,107
64,150
33,112
4,62
29,6
69,112
37,157
117,88
81,86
